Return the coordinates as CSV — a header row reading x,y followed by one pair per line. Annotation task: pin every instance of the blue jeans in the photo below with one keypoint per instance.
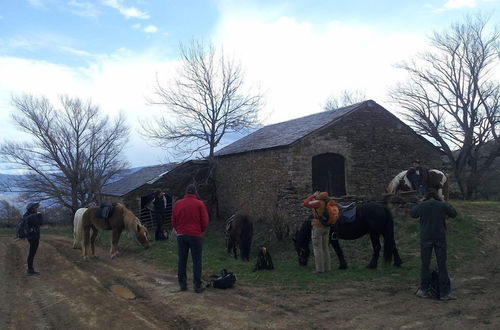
x,y
184,244
439,247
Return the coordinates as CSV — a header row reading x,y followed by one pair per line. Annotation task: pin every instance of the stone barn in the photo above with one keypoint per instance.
x,y
355,150
134,189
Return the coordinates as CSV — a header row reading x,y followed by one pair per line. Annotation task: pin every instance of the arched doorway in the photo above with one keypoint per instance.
x,y
328,174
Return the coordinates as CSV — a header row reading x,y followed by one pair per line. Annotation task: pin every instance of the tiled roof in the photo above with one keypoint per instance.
x,y
285,133
135,180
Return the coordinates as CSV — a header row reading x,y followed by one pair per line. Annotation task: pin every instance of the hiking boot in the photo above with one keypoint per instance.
x,y
32,272
199,290
447,297
423,294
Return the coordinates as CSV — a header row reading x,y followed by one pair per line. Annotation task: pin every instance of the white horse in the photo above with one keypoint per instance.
x,y
78,228
436,179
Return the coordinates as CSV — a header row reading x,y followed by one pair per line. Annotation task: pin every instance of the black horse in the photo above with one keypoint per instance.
x,y
239,232
371,218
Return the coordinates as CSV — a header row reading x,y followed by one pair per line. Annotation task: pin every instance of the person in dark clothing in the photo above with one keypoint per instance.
x,y
190,221
432,213
160,208
417,175
34,220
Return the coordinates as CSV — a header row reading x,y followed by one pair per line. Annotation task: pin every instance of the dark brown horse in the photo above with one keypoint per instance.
x,y
121,218
239,232
370,219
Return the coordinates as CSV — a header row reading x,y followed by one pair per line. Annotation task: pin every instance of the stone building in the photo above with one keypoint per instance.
x,y
134,190
352,150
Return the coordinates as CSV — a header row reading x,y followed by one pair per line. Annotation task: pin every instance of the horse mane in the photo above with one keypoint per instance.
x,y
130,221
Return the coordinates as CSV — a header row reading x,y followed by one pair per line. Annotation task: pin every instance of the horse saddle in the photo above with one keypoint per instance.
x,y
347,213
105,211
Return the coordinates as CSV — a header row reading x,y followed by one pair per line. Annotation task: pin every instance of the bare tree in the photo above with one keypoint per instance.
x,y
345,98
74,151
452,96
204,102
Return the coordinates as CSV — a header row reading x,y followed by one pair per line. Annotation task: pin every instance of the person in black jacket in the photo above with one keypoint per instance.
x,y
160,209
433,212
34,220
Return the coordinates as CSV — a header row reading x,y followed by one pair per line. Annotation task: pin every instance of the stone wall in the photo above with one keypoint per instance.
x,y
375,144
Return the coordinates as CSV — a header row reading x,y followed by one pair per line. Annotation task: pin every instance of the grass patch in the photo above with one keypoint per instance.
x,y
463,242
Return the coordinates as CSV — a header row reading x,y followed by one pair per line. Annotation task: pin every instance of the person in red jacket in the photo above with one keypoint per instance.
x,y
190,221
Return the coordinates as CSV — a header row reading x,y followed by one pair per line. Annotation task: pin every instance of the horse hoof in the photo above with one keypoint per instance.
x,y
343,267
370,266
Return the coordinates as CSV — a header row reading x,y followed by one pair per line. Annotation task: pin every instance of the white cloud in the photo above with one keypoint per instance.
x,y
150,29
36,3
127,12
299,64
83,8
455,4
117,83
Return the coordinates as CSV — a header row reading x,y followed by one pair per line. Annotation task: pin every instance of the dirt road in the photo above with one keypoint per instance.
x,y
73,294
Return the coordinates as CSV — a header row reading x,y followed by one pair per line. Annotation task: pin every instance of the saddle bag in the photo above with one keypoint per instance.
x,y
224,280
434,284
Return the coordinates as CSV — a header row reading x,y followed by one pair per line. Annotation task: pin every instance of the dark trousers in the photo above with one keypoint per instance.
x,y
184,244
439,246
159,227
31,255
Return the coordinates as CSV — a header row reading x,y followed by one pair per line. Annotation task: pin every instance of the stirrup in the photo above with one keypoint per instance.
x,y
343,207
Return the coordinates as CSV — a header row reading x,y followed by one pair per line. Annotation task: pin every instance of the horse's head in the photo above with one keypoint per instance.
x,y
142,235
399,183
301,245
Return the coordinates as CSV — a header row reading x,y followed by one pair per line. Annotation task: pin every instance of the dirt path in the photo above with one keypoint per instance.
x,y
72,294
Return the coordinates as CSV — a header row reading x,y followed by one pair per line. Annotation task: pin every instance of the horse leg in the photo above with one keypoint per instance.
x,y
397,258
114,244
235,252
92,241
86,242
375,238
334,241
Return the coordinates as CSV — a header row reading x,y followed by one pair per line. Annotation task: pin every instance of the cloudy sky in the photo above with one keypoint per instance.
x,y
297,53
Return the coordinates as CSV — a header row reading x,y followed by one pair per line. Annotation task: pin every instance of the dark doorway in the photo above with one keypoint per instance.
x,y
328,174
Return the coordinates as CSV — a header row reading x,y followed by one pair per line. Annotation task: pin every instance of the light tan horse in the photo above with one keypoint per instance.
x,y
122,218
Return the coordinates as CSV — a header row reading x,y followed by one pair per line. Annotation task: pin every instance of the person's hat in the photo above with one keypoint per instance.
x,y
191,189
32,205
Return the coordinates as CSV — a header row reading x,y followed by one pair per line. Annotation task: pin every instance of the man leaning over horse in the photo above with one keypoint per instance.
x,y
418,176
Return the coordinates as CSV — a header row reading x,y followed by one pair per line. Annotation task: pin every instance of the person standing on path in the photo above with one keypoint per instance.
x,y
432,213
160,208
324,214
34,220
190,221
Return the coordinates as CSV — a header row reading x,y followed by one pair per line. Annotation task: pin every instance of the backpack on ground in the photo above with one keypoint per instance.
x,y
434,284
22,228
224,280
264,260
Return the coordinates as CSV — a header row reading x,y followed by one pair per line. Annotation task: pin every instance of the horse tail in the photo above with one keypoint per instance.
x,y
78,228
389,242
246,239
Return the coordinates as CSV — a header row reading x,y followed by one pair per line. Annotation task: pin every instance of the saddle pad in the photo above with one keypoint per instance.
x,y
105,211
348,215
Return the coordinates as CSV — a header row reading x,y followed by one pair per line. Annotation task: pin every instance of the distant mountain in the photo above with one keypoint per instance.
x,y
10,180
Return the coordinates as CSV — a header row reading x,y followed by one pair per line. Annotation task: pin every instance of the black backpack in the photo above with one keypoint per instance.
x,y
224,280
434,284
22,228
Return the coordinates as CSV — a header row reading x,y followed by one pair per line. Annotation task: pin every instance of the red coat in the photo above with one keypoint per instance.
x,y
190,216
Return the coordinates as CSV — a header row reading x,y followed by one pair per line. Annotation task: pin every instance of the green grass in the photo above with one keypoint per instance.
x,y
463,242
